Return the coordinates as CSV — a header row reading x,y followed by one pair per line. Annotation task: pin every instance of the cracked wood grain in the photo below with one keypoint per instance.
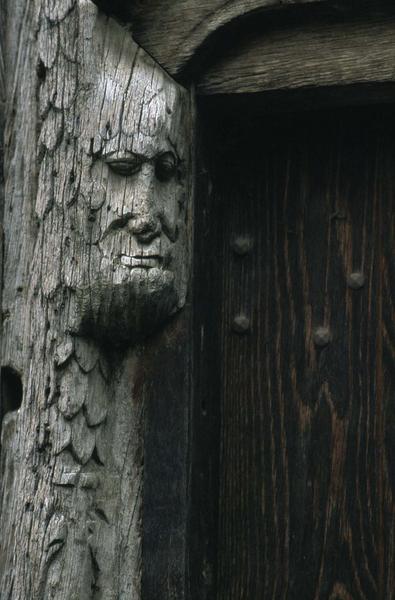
x,y
96,259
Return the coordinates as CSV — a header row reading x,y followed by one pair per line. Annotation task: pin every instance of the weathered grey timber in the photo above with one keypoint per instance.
x,y
96,258
2,116
310,55
173,31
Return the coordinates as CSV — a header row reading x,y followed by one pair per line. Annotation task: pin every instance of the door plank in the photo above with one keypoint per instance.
x,y
305,441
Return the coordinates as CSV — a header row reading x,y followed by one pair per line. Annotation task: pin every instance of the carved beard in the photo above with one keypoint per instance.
x,y
128,311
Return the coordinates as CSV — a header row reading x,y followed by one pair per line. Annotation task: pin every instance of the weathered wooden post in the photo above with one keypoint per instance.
x,y
96,260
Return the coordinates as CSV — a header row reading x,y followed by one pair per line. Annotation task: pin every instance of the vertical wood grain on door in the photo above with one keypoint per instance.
x,y
304,434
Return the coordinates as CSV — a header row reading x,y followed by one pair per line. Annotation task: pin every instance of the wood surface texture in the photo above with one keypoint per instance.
x,y
166,499
2,119
172,31
294,456
315,54
72,457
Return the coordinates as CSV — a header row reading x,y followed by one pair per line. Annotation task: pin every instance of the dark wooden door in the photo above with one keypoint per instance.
x,y
294,452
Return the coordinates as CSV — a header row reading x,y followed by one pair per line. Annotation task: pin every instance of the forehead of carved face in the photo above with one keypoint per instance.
x,y
139,172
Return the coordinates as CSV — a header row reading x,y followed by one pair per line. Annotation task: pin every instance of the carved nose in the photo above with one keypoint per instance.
x,y
144,227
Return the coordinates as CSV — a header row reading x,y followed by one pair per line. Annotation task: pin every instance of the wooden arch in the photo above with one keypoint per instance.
x,y
175,32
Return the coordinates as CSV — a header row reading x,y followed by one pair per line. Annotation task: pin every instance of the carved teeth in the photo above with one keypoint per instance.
x,y
140,261
126,261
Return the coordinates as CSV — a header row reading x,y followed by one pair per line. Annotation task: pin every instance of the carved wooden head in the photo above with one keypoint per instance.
x,y
134,188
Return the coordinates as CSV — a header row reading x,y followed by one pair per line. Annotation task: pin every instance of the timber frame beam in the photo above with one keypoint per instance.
x,y
176,33
339,59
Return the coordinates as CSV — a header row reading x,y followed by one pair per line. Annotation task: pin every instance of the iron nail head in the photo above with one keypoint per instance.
x,y
241,324
242,244
356,280
321,336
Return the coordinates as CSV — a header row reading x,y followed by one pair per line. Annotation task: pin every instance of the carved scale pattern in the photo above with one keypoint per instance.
x,y
82,401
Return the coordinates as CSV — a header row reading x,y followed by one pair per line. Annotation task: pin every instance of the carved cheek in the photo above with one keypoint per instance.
x,y
118,195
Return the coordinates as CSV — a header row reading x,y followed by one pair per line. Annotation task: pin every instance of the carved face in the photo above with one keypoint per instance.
x,y
143,224
137,197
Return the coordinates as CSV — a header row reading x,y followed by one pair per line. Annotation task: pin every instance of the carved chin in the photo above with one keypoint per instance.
x,y
128,311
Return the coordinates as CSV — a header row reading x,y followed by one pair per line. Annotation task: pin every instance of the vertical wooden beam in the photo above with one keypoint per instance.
x,y
97,254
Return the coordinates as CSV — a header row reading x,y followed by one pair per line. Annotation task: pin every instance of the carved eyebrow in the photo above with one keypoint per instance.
x,y
104,154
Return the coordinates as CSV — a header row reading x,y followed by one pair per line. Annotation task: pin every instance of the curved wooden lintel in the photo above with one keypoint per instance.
x,y
174,32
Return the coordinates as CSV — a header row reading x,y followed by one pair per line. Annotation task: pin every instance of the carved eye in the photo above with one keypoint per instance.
x,y
125,166
165,166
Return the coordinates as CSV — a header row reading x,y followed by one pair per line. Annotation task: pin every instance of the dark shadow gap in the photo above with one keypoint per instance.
x,y
11,391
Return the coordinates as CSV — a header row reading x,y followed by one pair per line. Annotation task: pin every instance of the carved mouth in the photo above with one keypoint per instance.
x,y
142,262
